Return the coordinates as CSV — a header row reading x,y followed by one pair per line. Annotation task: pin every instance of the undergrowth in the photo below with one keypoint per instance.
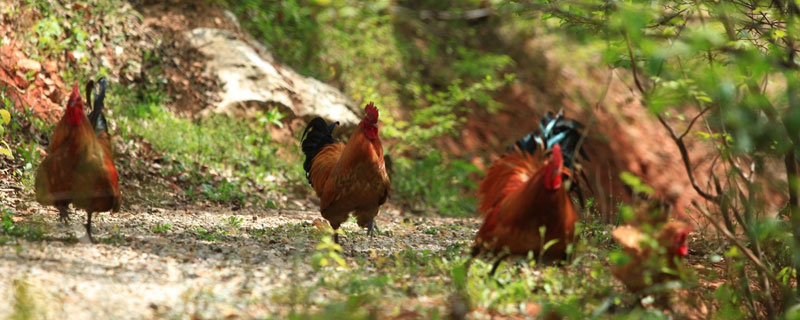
x,y
11,230
445,186
436,284
219,158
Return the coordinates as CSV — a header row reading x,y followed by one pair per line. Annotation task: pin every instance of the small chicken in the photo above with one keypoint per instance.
x,y
77,168
524,191
645,267
347,177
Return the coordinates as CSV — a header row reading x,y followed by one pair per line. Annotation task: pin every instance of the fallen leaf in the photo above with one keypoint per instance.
x,y
29,65
320,224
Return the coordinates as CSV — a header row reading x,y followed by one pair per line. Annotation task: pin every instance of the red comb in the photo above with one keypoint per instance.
x,y
372,111
74,113
76,92
556,152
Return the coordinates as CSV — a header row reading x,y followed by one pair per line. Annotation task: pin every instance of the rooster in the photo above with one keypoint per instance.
x,y
524,190
347,177
78,168
644,265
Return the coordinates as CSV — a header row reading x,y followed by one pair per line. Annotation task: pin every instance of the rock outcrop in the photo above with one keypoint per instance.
x,y
251,78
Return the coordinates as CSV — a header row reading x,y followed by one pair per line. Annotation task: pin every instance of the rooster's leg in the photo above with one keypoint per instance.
x,y
373,227
581,201
63,214
497,264
89,226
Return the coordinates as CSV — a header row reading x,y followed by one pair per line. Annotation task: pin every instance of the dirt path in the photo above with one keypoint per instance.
x,y
206,264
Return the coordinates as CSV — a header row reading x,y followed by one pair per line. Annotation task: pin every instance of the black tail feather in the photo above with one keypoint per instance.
x,y
96,117
89,90
555,129
317,135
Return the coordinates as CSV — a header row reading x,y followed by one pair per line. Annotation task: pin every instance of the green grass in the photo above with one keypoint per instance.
x,y
233,222
362,288
433,182
207,235
231,225
218,158
24,306
161,228
10,230
433,283
116,237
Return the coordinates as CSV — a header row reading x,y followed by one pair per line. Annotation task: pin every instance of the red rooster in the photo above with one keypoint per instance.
x,y
347,177
524,191
77,168
645,265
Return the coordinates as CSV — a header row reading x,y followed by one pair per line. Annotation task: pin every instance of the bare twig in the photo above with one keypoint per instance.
x,y
686,162
605,92
677,139
472,14
667,18
691,123
633,64
746,251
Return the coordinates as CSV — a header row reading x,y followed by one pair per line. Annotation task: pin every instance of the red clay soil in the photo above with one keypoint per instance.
x,y
28,83
35,82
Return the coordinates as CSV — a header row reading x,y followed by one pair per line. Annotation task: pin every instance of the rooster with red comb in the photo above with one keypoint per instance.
x,y
525,201
347,177
77,168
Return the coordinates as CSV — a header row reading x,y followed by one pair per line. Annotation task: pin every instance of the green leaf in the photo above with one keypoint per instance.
x,y
635,183
778,34
703,135
5,115
459,276
549,244
6,151
619,258
704,98
733,252
629,179
626,212
793,312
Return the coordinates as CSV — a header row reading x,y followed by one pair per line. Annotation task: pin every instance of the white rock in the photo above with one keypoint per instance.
x,y
250,78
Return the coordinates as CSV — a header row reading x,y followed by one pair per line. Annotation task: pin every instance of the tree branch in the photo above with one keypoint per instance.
x,y
633,64
691,124
686,162
746,251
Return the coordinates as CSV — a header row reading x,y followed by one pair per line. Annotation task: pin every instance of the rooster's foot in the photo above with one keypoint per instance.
x,y
497,264
373,227
89,227
63,215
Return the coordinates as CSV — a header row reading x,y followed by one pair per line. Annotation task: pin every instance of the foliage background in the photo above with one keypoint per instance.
x,y
732,66
720,77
